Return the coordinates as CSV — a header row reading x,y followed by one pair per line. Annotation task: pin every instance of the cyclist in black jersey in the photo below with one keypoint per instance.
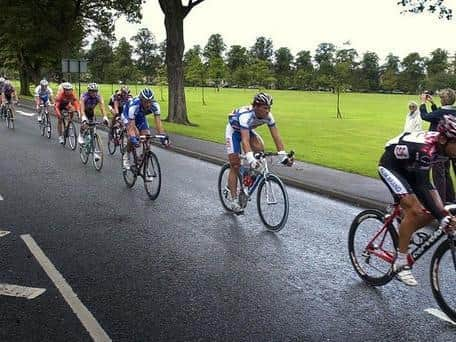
x,y
404,167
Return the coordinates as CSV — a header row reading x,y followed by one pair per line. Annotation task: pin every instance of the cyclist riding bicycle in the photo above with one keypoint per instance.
x,y
2,83
240,135
134,117
43,95
65,100
117,103
404,168
8,92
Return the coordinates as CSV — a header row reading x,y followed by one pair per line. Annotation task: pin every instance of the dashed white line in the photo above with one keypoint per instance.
x,y
24,113
84,315
439,314
4,233
20,291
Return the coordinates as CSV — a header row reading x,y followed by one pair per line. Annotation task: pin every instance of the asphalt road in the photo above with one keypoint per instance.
x,y
180,268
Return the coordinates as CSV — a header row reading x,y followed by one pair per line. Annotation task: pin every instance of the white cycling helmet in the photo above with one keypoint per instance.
x,y
67,86
2,80
262,98
44,83
147,94
92,87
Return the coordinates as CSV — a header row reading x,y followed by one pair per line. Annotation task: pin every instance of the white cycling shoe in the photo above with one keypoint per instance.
x,y
125,161
39,119
61,140
96,157
404,274
80,139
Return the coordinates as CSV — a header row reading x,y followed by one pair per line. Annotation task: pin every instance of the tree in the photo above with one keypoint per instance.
x,y
412,77
370,70
304,61
389,73
148,54
175,14
324,56
438,63
195,70
282,66
35,44
262,49
341,78
433,6
217,70
214,47
236,57
124,68
99,59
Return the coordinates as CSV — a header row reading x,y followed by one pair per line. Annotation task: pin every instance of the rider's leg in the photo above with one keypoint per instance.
x,y
132,130
256,142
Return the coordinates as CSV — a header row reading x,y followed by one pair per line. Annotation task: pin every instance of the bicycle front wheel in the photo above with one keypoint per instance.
x,y
48,126
152,176
97,153
272,202
10,119
129,175
42,124
123,142
372,247
443,278
84,151
72,135
111,142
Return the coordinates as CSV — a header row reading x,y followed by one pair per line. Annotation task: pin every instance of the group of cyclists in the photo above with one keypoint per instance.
x,y
404,166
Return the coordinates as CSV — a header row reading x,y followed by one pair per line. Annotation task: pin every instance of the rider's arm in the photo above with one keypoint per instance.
x,y
276,137
245,138
116,107
81,107
158,124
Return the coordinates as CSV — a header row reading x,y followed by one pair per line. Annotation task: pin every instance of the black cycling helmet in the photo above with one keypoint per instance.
x,y
263,99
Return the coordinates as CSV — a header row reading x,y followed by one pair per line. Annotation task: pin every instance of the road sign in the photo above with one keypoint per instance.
x,y
74,66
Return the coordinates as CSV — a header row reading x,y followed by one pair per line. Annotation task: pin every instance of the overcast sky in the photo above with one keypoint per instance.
x,y
370,25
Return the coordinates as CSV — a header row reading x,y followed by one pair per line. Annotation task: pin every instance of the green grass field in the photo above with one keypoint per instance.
x,y
307,122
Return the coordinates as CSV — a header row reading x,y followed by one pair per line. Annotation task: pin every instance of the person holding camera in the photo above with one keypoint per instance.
x,y
440,170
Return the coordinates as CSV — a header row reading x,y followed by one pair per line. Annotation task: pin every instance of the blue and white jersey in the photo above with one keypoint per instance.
x,y
133,111
245,118
43,94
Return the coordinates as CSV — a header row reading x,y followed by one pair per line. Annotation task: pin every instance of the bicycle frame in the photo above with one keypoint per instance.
x,y
425,242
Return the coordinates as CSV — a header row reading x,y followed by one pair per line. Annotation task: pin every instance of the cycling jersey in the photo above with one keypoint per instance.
x,y
404,167
43,93
245,118
1,87
121,100
134,111
8,90
90,102
64,101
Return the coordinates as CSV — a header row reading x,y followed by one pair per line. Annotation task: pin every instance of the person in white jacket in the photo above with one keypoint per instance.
x,y
413,121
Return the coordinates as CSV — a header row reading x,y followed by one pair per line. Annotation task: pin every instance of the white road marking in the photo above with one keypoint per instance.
x,y
439,314
4,233
20,291
24,113
84,315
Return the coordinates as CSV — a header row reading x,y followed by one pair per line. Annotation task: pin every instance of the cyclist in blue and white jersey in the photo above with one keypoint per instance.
x,y
43,95
240,135
2,83
134,117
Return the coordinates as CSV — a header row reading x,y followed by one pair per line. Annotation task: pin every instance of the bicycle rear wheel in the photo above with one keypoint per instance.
x,y
97,149
443,278
222,186
372,247
72,135
152,176
272,203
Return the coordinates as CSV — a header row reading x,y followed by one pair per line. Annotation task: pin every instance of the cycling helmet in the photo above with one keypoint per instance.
x,y
125,90
447,126
67,86
146,94
2,80
92,87
44,83
262,98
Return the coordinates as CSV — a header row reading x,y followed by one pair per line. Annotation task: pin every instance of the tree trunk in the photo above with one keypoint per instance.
x,y
177,111
202,95
25,84
339,114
